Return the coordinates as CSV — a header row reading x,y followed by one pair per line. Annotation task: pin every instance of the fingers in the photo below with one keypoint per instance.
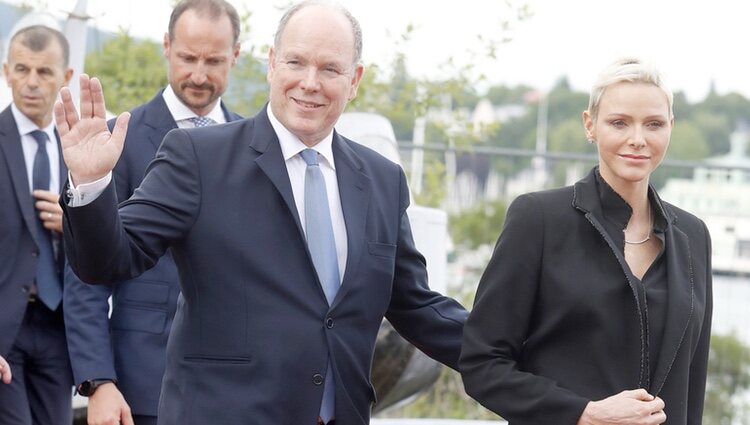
x,y
97,98
656,404
46,195
127,419
87,107
5,374
66,115
638,394
49,210
120,130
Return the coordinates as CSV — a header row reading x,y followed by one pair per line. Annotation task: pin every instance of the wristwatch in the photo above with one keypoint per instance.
x,y
87,388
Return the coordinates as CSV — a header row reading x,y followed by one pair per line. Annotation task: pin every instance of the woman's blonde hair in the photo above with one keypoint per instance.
x,y
627,69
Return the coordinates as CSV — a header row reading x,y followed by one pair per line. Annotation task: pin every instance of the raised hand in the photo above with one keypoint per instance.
x,y
89,149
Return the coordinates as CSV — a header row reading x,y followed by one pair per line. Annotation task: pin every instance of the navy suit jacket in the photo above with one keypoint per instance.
x,y
128,347
18,246
251,341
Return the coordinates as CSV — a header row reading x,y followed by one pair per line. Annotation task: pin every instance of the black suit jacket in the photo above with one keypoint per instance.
x,y
252,339
130,346
18,246
556,322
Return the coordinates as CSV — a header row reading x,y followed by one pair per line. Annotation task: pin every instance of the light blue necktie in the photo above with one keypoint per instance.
x,y
48,284
322,248
202,121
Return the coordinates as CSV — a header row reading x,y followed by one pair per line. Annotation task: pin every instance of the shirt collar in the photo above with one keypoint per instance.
x,y
26,126
291,145
181,112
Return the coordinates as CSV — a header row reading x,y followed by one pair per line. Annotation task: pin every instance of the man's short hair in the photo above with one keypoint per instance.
x,y
38,37
213,8
356,29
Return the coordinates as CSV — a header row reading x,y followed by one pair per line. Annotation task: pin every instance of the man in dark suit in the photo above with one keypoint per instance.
x,y
32,333
119,362
292,242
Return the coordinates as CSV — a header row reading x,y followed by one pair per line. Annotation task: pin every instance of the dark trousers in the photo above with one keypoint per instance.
x,y
42,386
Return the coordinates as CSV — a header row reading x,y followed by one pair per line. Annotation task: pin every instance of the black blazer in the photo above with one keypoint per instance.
x,y
556,322
253,331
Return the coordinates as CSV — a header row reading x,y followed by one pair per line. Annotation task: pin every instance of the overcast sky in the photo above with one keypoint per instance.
x,y
693,42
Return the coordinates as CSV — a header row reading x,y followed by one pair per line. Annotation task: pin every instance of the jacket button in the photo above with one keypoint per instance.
x,y
34,254
318,379
329,323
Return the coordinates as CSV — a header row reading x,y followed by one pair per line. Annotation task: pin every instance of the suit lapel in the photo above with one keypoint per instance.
x,y
271,162
354,190
10,143
680,304
159,119
63,167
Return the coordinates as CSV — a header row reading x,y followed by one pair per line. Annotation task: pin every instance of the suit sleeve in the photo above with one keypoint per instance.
x,y
432,322
104,246
495,333
86,310
699,363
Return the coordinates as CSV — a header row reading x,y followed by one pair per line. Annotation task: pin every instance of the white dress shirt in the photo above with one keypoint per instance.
x,y
30,146
182,114
291,146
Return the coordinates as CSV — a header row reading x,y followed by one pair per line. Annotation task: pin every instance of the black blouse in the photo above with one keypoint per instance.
x,y
652,289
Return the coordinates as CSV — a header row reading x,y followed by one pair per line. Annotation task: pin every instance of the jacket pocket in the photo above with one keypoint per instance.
x,y
148,292
201,358
381,249
139,319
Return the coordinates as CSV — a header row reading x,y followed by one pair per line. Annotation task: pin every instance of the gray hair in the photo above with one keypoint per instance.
x,y
38,38
632,70
356,29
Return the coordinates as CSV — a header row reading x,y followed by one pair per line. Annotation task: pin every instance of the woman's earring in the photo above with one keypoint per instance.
x,y
591,140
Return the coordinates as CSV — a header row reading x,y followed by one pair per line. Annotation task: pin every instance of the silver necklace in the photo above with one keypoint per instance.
x,y
648,236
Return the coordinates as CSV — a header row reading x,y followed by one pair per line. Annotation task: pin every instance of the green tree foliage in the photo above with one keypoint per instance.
x,y
728,381
479,225
248,89
131,70
687,142
446,399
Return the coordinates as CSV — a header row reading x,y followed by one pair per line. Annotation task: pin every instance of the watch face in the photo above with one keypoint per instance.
x,y
87,388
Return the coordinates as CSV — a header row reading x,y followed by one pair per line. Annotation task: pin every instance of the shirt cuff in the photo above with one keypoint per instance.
x,y
86,193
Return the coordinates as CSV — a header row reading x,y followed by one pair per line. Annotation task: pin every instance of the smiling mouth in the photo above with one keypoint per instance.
x,y
307,105
637,157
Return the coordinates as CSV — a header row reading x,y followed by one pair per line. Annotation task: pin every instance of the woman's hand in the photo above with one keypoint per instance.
x,y
632,407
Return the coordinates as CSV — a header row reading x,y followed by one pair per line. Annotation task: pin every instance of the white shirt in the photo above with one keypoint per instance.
x,y
182,113
291,146
30,146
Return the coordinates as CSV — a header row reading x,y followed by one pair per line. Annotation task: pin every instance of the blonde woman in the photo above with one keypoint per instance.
x,y
596,305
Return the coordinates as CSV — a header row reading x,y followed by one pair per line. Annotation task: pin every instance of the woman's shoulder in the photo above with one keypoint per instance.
x,y
549,197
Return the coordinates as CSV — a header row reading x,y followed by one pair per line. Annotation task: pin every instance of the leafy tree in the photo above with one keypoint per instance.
x,y
479,225
728,381
687,142
248,89
131,70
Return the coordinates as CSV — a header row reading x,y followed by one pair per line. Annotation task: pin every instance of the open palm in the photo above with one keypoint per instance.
x,y
89,149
